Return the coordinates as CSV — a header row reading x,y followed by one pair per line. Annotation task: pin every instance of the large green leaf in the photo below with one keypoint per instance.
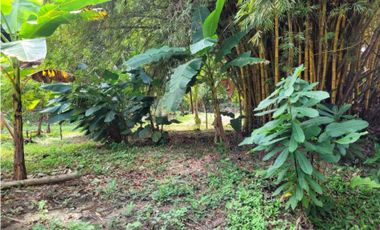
x,y
304,163
305,112
28,50
51,16
153,55
350,138
338,129
58,87
6,6
297,133
318,95
203,45
21,11
178,83
199,14
211,23
70,5
61,117
242,60
280,160
316,121
110,116
230,43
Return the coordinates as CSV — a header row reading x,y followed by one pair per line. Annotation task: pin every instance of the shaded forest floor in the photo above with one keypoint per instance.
x,y
187,184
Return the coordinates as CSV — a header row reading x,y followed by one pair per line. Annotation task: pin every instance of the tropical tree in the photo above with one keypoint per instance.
x,y
25,24
207,63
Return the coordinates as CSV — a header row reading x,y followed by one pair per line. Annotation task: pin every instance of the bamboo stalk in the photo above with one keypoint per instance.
x,y
334,60
291,41
276,50
322,21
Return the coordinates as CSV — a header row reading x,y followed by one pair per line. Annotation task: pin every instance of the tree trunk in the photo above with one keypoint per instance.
x,y
48,128
205,111
19,169
39,181
218,124
276,50
39,127
191,102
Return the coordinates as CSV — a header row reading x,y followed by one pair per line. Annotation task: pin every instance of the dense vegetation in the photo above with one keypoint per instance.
x,y
129,90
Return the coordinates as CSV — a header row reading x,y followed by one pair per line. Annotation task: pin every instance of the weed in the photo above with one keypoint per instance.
x,y
174,187
347,208
110,189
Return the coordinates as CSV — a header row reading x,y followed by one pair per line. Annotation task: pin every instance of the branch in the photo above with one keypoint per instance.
x,y
39,181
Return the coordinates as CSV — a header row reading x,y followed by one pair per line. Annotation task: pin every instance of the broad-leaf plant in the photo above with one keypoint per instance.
x,y
106,110
205,62
24,26
300,137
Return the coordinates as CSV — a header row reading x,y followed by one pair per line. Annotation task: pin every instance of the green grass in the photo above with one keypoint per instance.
x,y
167,200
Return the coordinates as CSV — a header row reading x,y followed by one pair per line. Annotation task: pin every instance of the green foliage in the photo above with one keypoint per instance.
x,y
153,55
182,76
345,207
199,14
173,188
210,24
242,60
28,50
89,105
247,210
366,182
297,132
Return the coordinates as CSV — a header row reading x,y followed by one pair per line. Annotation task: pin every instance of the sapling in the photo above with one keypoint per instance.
x,y
299,137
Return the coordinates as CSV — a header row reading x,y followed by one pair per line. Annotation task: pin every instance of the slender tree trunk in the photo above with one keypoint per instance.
x,y
197,120
205,111
48,128
276,50
218,124
19,169
191,102
60,131
39,127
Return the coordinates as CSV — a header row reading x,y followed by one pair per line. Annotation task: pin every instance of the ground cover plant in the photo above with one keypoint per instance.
x,y
191,114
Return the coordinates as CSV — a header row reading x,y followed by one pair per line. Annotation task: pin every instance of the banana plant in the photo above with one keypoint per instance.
x,y
205,62
24,26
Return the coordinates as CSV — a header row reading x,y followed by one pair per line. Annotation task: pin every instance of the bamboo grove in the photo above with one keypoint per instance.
x,y
337,41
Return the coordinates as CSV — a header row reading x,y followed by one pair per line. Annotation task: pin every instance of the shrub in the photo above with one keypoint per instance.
x,y
106,110
298,137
